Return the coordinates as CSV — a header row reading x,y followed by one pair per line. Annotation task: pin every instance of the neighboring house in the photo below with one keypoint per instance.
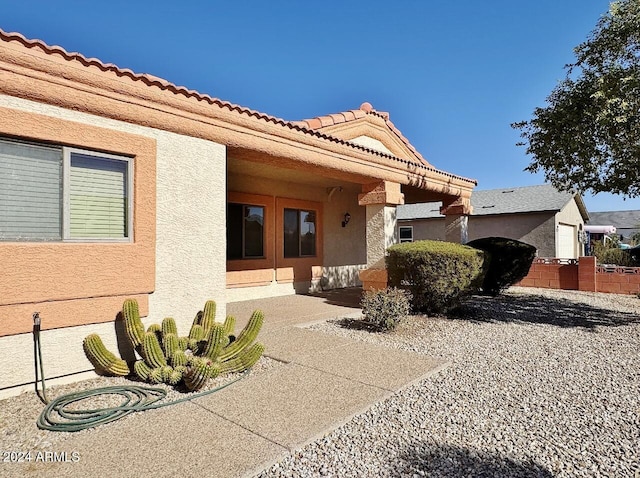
x,y
627,223
542,216
117,184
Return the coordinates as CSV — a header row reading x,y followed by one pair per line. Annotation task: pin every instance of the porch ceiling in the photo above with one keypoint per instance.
x,y
414,195
337,170
258,164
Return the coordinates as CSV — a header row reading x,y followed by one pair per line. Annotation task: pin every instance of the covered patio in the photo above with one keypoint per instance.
x,y
319,213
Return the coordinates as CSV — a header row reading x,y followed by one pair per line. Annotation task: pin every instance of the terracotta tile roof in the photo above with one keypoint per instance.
x,y
366,108
151,80
146,78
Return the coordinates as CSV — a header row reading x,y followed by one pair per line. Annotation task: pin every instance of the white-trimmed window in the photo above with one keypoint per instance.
x,y
405,234
57,193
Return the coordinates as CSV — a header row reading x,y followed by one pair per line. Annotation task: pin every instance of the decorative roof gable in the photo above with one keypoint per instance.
x,y
366,127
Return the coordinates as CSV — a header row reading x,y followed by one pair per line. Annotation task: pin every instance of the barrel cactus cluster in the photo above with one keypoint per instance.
x,y
209,350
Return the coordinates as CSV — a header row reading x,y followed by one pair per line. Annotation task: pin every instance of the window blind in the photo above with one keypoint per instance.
x,y
97,197
30,191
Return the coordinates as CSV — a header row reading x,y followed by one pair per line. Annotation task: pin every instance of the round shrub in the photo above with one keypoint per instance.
x,y
509,262
438,274
385,308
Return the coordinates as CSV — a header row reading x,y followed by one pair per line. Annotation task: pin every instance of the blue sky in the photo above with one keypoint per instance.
x,y
452,74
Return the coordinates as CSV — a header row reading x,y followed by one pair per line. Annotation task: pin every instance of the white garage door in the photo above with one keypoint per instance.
x,y
567,241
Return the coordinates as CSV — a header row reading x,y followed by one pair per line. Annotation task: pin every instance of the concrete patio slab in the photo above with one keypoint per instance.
x,y
297,309
375,365
181,440
288,344
292,405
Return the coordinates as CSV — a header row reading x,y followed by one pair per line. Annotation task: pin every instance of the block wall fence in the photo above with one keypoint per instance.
x,y
582,274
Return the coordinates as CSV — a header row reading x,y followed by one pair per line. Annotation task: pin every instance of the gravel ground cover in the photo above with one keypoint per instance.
x,y
18,415
542,383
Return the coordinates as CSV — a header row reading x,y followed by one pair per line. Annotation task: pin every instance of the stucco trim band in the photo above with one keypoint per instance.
x,y
17,319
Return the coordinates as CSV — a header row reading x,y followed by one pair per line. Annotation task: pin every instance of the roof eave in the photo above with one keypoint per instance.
x,y
63,73
581,206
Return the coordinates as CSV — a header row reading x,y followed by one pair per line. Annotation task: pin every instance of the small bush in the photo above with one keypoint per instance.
x,y
385,308
618,257
599,248
509,262
438,274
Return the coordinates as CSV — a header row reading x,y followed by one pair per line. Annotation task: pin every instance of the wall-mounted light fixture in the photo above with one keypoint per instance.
x,y
347,218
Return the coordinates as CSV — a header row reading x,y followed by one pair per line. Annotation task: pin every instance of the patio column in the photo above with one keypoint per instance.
x,y
380,200
456,219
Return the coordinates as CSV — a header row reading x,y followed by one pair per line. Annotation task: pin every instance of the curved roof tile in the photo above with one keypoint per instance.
x,y
365,109
307,127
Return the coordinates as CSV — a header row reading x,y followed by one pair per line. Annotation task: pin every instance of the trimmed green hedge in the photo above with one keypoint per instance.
x,y
509,262
438,274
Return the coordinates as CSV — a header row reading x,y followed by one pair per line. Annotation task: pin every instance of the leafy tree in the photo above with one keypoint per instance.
x,y
587,137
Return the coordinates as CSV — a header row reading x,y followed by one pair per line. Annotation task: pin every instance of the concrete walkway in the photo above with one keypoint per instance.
x,y
322,383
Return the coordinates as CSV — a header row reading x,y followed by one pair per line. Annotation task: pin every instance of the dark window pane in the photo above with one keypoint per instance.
x,y
406,233
307,233
234,231
253,231
291,233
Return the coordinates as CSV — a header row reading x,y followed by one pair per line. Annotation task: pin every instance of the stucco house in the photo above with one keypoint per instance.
x,y
118,184
551,220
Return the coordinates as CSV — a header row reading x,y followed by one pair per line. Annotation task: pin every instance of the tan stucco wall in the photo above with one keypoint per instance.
x,y
537,229
191,239
345,250
390,226
62,356
190,247
382,233
570,214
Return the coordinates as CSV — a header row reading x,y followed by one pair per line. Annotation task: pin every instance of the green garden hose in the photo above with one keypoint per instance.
x,y
135,398
37,354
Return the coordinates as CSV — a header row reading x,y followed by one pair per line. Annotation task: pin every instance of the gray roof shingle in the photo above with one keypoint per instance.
x,y
499,201
619,219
